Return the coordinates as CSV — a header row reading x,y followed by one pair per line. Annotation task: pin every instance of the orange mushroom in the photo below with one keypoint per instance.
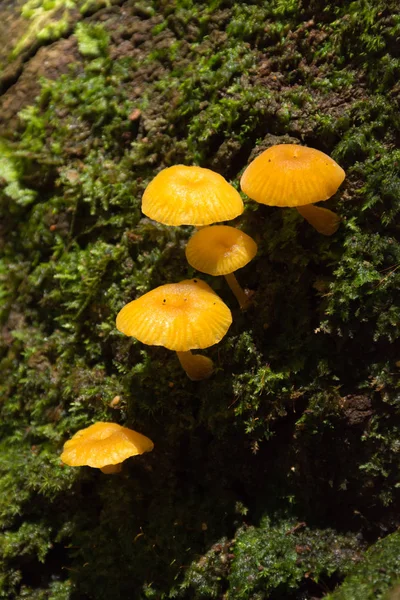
x,y
295,176
104,446
221,250
182,195
180,316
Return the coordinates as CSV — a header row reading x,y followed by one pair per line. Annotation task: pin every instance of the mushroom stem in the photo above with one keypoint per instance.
x,y
197,367
111,469
322,219
241,296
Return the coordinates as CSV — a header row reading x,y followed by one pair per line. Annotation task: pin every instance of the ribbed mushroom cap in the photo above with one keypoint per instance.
x,y
182,195
291,175
104,444
179,316
220,250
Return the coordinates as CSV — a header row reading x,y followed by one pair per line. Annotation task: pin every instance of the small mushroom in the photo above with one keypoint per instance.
x,y
182,195
295,176
221,250
180,316
104,446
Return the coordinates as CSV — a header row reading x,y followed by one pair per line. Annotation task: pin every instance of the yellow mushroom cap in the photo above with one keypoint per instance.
x,y
291,175
104,444
182,195
220,250
179,316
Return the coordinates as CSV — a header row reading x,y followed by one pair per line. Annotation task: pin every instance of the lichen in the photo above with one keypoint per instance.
x,y
49,20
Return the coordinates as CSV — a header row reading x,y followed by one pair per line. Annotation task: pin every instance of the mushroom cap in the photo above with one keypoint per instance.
x,y
291,175
220,249
104,444
182,195
179,316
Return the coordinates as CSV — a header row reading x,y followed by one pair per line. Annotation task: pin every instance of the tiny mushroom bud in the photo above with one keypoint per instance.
x,y
182,195
295,176
221,250
115,401
104,446
182,317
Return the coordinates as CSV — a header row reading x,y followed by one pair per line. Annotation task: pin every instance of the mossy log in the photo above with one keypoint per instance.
x,y
278,477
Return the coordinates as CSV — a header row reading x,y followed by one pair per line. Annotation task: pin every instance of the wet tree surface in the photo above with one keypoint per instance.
x,y
278,477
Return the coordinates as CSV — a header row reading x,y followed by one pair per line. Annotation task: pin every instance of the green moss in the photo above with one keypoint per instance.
x,y
275,557
49,20
92,40
375,575
9,173
30,539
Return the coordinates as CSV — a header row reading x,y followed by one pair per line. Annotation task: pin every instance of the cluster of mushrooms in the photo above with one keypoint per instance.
x,y
189,315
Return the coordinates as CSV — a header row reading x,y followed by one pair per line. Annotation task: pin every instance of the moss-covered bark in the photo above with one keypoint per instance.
x,y
276,477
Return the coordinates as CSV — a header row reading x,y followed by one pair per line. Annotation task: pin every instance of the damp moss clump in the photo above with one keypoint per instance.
x,y
276,557
375,575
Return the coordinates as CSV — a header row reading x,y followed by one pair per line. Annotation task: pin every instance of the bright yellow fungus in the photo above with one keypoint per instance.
x,y
221,250
180,316
104,446
182,195
295,176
